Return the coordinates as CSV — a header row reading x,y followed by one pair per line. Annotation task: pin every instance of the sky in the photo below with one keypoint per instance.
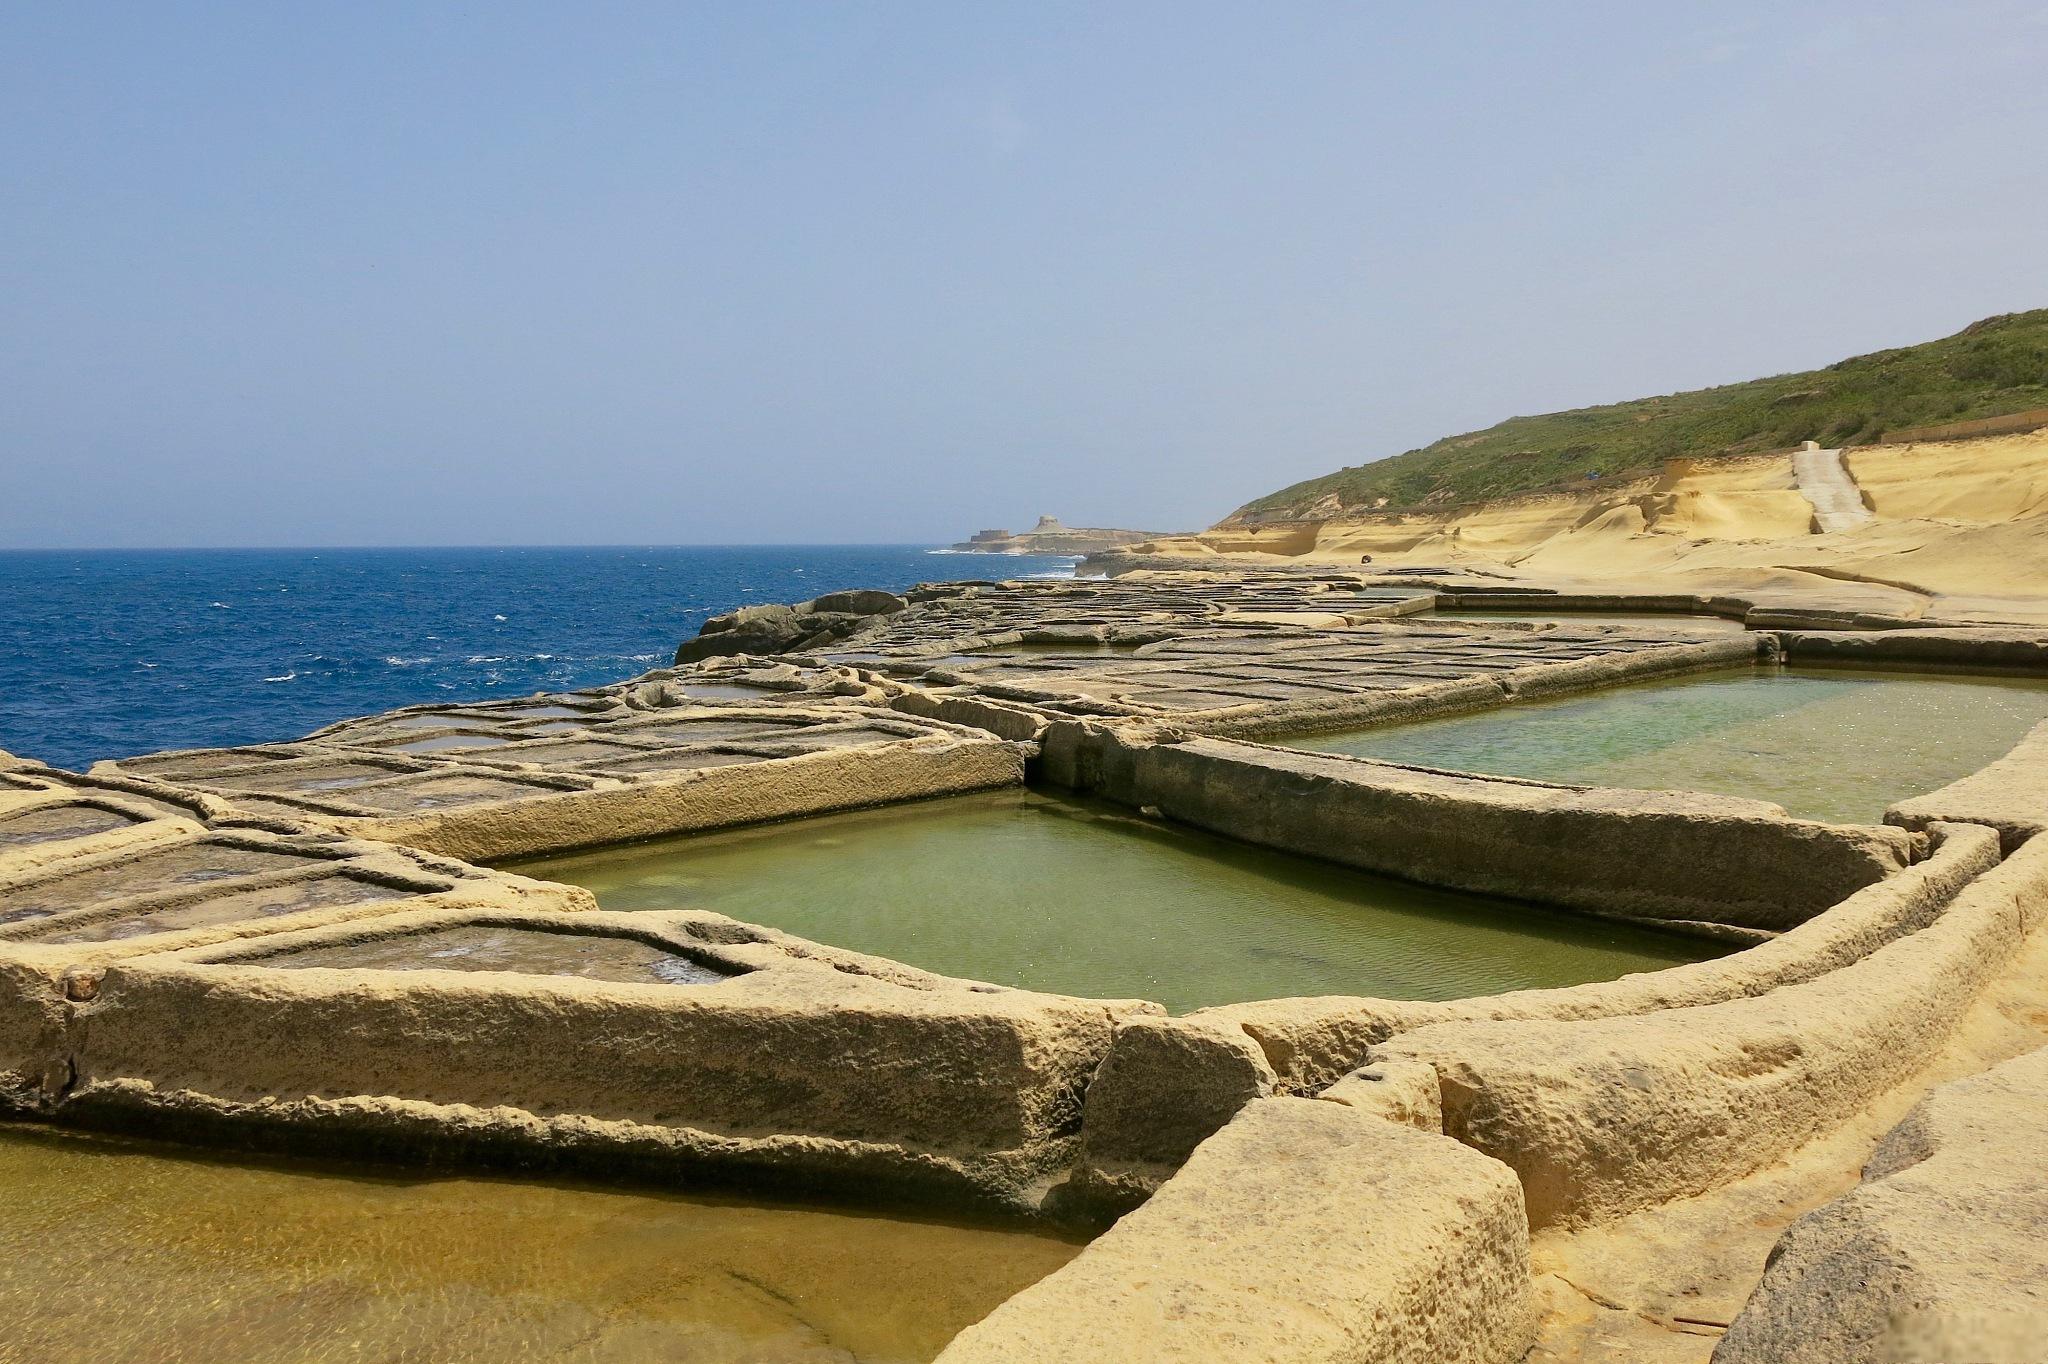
x,y
516,273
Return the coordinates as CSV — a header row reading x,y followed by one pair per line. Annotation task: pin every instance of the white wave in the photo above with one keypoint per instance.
x,y
497,618
140,664
396,662
221,604
285,678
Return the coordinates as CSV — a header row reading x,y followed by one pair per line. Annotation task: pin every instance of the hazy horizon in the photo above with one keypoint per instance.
x,y
936,548
383,278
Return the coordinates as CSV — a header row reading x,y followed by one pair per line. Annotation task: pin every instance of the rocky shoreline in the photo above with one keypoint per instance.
x,y
266,946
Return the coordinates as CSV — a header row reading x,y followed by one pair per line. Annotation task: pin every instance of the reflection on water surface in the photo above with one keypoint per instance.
x,y
119,1251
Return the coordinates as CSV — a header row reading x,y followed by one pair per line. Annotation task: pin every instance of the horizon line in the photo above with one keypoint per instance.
x,y
679,544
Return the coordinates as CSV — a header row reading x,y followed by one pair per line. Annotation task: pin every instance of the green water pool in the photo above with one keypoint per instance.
x,y
1825,743
118,1250
1072,897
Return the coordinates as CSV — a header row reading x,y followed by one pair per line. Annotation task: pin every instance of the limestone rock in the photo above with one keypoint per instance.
x,y
749,630
776,629
1302,1231
1603,1117
1166,1085
1941,1254
1406,1092
861,602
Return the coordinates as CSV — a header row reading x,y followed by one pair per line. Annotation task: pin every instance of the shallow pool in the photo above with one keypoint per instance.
x,y
1072,897
115,1250
1827,744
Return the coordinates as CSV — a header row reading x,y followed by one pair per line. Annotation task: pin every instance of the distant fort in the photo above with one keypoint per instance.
x,y
1049,536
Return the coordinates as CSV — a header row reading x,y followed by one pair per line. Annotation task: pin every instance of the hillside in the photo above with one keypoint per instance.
x,y
1990,368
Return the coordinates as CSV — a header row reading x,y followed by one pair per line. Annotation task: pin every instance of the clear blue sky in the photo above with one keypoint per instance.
x,y
422,273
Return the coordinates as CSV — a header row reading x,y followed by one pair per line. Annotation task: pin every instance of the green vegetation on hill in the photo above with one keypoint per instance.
x,y
1990,368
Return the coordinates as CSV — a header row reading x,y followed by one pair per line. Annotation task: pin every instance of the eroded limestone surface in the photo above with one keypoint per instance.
x,y
1936,1255
1303,1230
512,949
638,760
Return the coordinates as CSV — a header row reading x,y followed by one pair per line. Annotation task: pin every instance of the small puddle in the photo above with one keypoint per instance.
x,y
723,691
320,892
445,743
56,823
122,1250
492,947
1077,648
1824,743
151,873
1049,893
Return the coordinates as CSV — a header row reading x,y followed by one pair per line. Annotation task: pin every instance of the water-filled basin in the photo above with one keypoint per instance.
x,y
1072,897
1825,743
117,1250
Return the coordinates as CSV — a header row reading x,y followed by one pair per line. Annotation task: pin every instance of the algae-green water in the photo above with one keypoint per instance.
x,y
1074,897
1825,743
118,1250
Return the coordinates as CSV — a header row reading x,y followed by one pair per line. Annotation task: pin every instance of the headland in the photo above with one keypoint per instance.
x,y
1051,537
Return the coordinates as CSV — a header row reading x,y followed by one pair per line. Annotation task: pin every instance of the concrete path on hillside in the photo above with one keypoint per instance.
x,y
1825,482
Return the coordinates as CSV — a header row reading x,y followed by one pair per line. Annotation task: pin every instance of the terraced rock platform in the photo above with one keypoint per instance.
x,y
295,945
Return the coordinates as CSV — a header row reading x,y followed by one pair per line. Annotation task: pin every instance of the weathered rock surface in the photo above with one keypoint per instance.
x,y
776,629
1651,855
1406,1092
1982,646
808,1065
860,601
1303,1231
1942,1252
1604,1117
1313,1041
1165,1086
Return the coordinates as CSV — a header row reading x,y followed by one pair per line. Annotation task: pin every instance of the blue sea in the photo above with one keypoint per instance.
x,y
106,654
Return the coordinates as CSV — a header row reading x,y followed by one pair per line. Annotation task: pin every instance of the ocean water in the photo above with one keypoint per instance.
x,y
106,654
